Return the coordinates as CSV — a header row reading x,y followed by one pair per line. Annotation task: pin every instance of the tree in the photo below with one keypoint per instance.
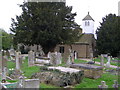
x,y
46,24
6,40
108,35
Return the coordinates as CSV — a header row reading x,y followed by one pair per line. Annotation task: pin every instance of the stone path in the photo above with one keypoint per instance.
x,y
112,66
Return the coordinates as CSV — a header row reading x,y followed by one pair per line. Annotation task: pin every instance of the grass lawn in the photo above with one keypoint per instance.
x,y
86,82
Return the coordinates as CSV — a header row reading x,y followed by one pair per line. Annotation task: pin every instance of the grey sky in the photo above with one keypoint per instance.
x,y
97,8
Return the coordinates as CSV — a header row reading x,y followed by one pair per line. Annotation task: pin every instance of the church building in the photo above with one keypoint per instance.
x,y
85,47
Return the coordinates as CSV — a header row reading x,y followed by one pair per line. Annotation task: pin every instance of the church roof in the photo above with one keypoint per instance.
x,y
87,38
88,17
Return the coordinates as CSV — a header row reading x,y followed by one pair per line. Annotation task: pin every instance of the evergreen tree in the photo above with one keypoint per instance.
x,y
108,35
46,24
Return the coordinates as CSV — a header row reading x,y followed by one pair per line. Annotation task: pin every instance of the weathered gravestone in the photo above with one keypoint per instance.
x,y
69,60
115,85
31,58
90,71
18,60
108,63
29,83
102,60
59,58
53,58
103,85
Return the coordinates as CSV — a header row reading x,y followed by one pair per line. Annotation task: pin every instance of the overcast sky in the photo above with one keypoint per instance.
x,y
97,8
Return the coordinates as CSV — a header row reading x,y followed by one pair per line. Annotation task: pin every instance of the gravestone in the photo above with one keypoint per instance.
x,y
103,85
69,60
75,53
18,60
59,59
29,83
102,60
115,85
108,63
4,73
31,58
53,58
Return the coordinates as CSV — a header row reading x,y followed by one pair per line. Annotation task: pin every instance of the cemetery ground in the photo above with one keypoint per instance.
x,y
86,82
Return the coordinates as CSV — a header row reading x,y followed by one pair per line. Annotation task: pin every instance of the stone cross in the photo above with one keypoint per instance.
x,y
115,85
18,60
102,61
103,85
31,58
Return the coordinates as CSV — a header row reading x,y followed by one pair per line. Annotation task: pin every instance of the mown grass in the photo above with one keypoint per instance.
x,y
93,83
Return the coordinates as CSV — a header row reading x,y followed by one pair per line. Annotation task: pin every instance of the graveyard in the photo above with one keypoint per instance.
x,y
47,48
29,71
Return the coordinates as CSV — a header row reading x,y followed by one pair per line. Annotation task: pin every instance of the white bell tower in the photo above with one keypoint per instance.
x,y
88,25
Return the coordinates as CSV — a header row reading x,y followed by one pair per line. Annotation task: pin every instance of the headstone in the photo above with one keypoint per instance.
x,y
71,55
49,54
69,60
4,73
115,85
30,83
59,58
103,85
75,53
53,59
18,60
31,58
108,63
21,83
102,61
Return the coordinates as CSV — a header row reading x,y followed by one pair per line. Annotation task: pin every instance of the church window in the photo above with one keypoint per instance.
x,y
88,23
61,49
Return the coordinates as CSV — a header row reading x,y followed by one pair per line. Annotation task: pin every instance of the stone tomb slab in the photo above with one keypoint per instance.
x,y
60,76
90,71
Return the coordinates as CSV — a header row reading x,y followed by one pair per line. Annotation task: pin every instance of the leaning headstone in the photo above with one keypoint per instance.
x,y
31,58
102,61
103,85
115,85
18,60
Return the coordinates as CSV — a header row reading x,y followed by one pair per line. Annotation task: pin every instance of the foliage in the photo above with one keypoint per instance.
x,y
108,39
46,24
6,40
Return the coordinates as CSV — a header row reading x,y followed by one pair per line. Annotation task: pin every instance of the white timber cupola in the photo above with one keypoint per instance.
x,y
88,25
